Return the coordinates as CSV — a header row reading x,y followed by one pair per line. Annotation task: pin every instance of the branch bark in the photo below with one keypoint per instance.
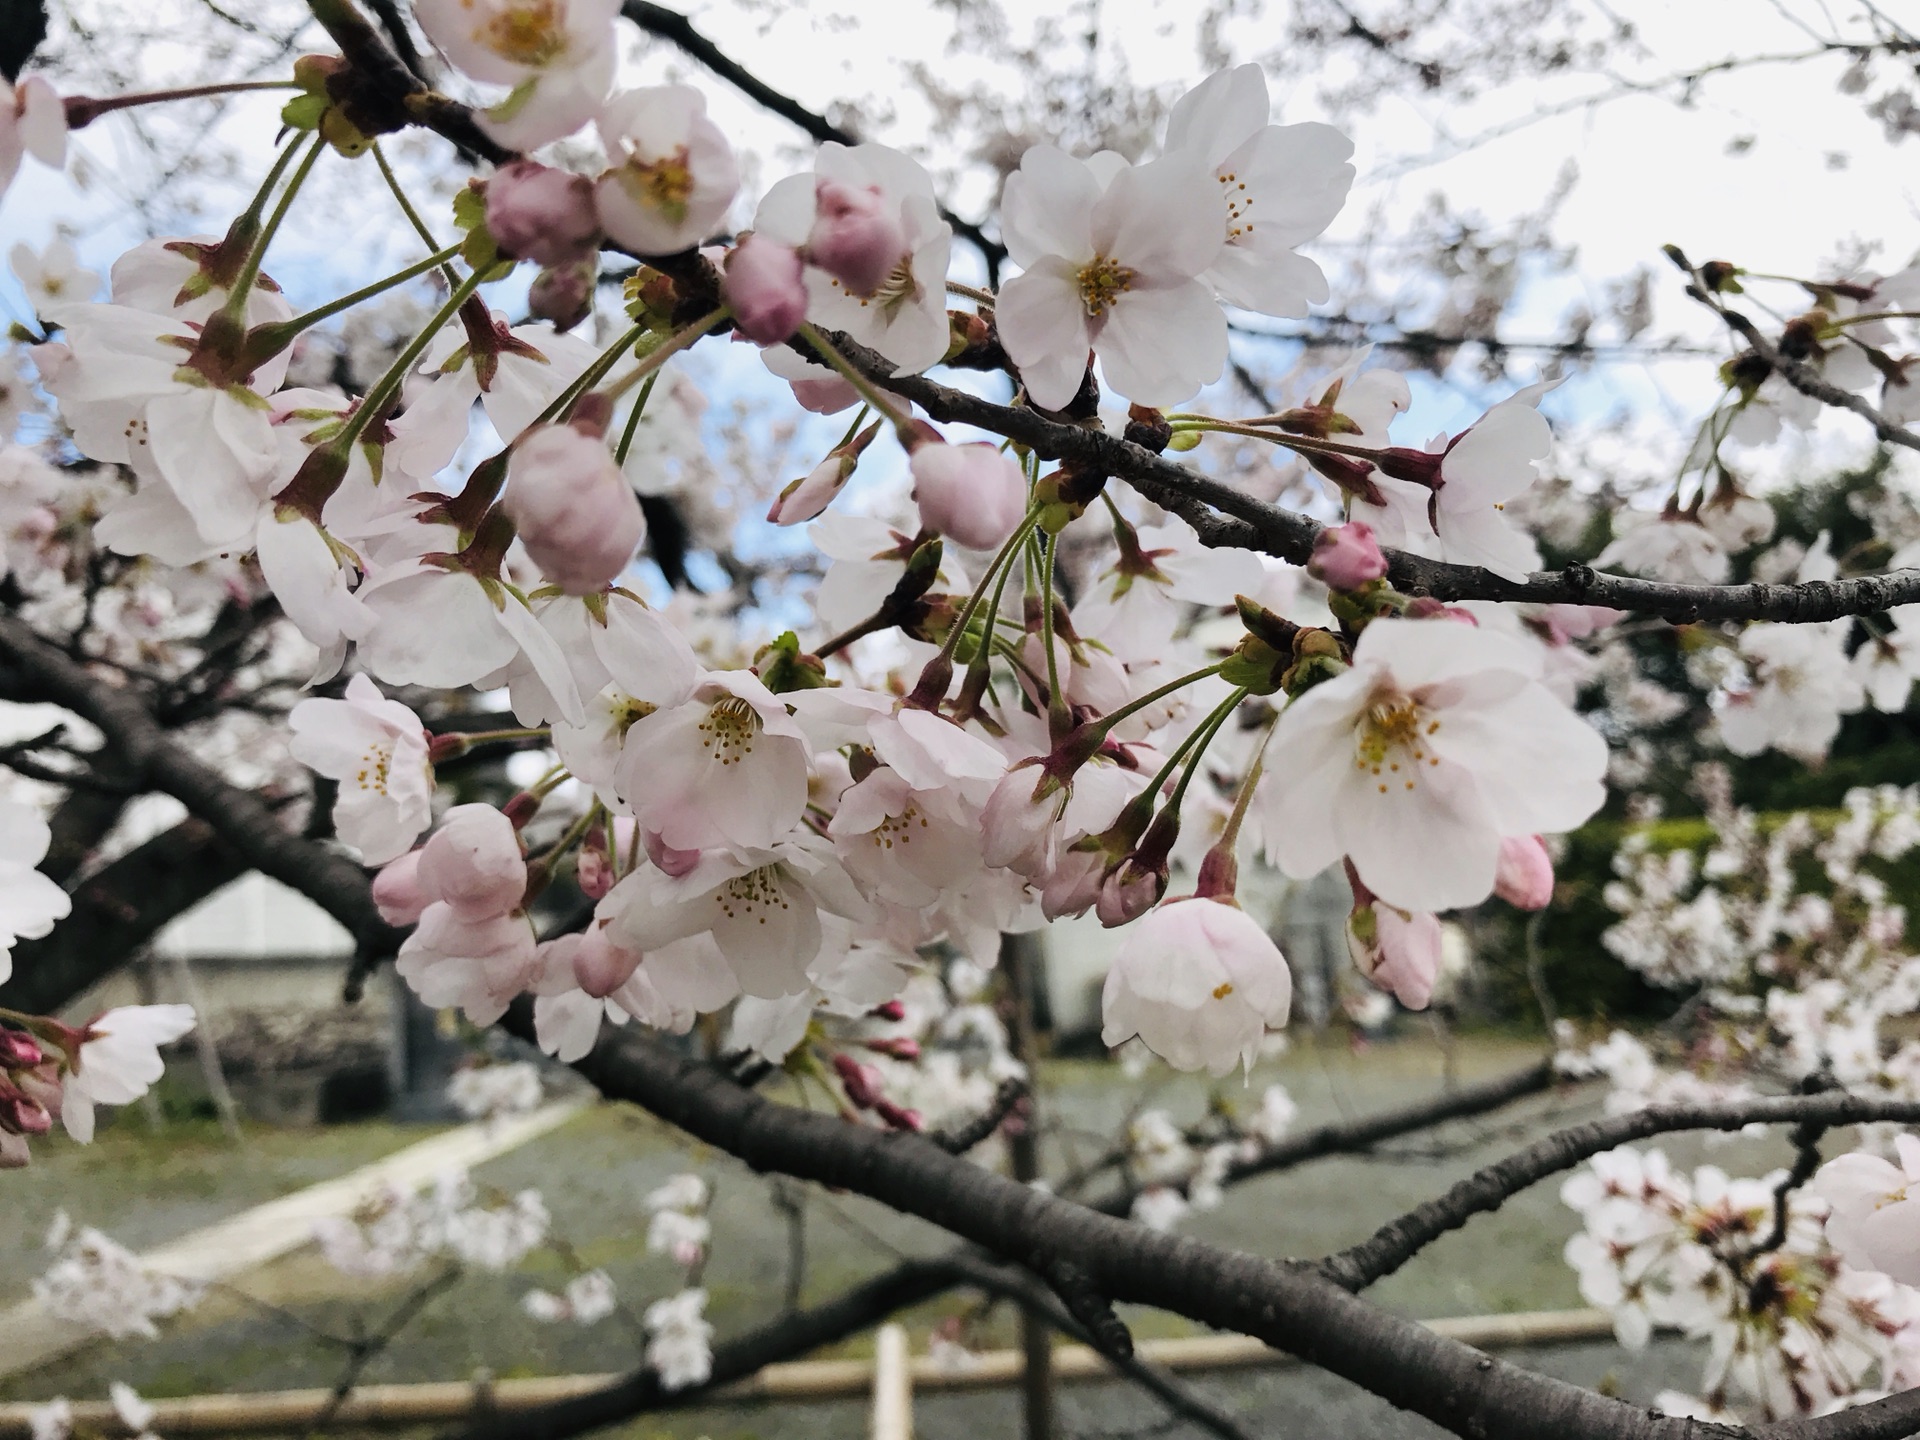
x,y
150,756
1400,1240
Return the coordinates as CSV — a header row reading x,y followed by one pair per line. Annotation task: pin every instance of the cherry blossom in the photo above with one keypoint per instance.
x,y
375,750
904,316
30,902
1280,185
1873,1224
558,57
972,493
1417,762
1111,254
1200,983
115,1058
1801,685
679,1340
575,511
33,121
53,276
673,174
538,213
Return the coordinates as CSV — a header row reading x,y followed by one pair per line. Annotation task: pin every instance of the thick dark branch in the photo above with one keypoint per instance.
x,y
117,911
1347,1137
1400,1240
1224,516
153,758
672,26
1292,1306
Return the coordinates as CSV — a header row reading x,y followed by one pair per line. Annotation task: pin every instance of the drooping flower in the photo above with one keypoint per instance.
x,y
673,175
113,1059
375,749
557,55
1525,877
1280,185
1398,950
1802,683
765,286
473,863
1439,742
1200,983
30,902
1110,256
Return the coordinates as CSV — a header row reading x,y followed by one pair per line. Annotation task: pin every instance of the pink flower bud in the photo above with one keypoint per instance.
x,y
575,511
856,235
863,1083
900,1047
1399,951
397,891
765,287
537,213
19,1050
1524,878
808,496
1128,893
970,493
593,871
564,293
20,1115
601,967
473,862
889,1010
667,859
1347,556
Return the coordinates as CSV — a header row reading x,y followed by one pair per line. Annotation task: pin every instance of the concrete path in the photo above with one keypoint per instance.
x,y
29,1336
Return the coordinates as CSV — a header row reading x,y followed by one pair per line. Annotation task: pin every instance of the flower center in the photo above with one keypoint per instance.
x,y
624,712
898,827
1223,989
1102,283
1239,201
896,290
375,766
752,896
730,728
1391,739
529,34
664,184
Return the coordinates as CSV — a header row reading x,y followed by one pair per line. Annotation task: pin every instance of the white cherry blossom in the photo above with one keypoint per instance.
x,y
1110,256
1415,763
30,902
375,749
558,56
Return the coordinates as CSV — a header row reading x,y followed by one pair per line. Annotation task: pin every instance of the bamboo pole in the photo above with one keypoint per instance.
x,y
401,1406
892,1385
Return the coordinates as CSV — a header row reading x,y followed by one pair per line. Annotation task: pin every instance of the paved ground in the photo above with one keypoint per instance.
x,y
595,1171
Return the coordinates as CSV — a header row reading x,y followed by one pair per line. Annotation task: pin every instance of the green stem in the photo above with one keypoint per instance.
x,y
1001,558
1059,717
633,420
1205,727
281,334
384,388
413,216
681,339
1208,729
236,306
587,379
1108,721
871,393
983,657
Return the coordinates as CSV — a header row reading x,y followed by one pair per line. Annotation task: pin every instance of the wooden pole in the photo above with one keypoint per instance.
x,y
892,1385
442,1402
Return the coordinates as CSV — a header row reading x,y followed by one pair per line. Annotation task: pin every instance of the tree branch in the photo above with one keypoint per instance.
x,y
1398,1241
1348,1136
153,758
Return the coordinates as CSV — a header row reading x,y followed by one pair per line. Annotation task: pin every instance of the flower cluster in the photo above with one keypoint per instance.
x,y
1791,1329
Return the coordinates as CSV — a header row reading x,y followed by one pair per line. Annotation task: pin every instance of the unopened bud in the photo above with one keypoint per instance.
x,y
19,1050
538,213
856,236
862,1083
563,294
1347,556
1524,876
